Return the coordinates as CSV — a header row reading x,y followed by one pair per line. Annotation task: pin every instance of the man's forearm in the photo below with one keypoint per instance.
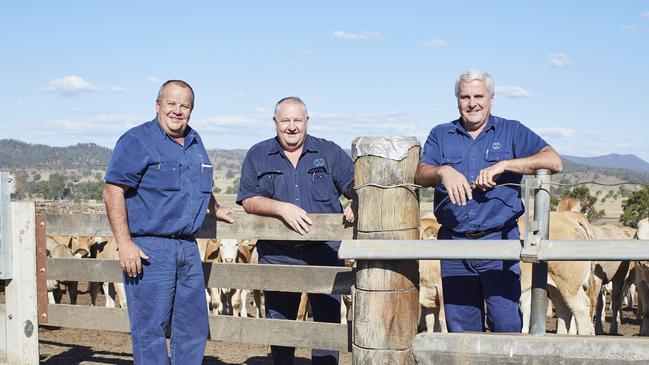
x,y
262,205
547,158
427,175
116,211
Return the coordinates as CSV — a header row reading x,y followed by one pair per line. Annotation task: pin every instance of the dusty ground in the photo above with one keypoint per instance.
x,y
68,346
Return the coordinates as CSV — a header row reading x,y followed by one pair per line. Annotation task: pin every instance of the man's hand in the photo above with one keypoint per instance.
x,y
224,214
349,213
487,177
458,188
295,217
130,258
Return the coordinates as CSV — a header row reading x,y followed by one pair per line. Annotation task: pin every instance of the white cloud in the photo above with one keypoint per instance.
x,y
646,15
259,109
434,43
556,132
72,85
21,102
513,92
560,60
345,36
628,28
153,80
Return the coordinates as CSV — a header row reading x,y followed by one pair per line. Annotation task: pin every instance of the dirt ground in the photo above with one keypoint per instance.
x,y
69,346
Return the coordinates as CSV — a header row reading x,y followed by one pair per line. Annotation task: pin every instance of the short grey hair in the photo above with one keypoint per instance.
x,y
472,75
180,83
292,99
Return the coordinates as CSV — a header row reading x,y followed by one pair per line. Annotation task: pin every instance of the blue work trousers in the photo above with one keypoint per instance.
x,y
470,284
280,305
169,291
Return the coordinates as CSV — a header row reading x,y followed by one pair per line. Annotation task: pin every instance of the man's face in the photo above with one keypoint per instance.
x,y
173,109
474,104
291,123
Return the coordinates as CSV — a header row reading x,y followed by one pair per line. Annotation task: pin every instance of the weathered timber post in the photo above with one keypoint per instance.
x,y
386,299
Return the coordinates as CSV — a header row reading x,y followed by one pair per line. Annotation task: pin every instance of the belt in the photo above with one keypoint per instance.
x,y
474,235
186,237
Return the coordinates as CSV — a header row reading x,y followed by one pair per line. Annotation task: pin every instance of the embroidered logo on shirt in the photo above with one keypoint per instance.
x,y
496,145
318,162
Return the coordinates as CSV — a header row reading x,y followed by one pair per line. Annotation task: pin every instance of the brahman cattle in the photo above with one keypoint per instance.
x,y
642,281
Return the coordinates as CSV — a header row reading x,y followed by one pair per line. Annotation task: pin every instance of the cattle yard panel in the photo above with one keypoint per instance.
x,y
19,332
6,188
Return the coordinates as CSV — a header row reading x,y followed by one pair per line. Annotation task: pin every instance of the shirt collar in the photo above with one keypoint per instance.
x,y
456,126
309,146
190,134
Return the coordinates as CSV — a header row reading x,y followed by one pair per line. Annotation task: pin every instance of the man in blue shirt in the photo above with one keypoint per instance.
x,y
468,160
158,189
288,177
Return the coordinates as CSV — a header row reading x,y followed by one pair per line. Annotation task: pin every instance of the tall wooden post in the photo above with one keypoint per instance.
x,y
386,300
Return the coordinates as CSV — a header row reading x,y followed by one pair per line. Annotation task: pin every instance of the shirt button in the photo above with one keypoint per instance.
x,y
296,185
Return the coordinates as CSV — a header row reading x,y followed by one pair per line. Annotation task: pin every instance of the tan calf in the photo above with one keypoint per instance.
x,y
568,281
431,296
105,248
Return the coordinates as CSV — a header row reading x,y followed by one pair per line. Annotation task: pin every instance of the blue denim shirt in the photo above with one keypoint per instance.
x,y
324,172
169,185
502,139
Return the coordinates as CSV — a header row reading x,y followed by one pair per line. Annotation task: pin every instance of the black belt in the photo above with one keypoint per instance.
x,y
186,237
474,235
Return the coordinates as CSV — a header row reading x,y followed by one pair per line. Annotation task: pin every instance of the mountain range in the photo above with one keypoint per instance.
x,y
18,155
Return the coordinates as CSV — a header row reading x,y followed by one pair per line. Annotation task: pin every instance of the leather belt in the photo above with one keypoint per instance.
x,y
474,235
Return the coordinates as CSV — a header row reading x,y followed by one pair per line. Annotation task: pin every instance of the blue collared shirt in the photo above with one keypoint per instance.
x,y
502,139
169,185
324,172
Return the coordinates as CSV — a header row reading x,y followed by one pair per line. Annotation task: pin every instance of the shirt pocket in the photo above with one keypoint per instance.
x,y
494,156
267,180
165,175
207,171
321,184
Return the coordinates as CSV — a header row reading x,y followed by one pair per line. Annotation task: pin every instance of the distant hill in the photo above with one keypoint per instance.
x,y
17,155
614,160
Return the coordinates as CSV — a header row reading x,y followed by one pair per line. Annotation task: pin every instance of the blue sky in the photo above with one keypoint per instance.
x,y
86,71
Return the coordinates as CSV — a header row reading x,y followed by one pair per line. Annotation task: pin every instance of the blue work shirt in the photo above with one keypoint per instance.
x,y
170,185
501,139
324,172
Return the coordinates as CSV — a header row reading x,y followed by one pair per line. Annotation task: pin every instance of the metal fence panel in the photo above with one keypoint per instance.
x,y
6,188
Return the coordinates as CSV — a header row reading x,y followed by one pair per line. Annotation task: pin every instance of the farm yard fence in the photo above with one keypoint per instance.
x,y
378,252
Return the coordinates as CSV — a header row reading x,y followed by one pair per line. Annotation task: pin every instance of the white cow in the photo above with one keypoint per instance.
x,y
228,301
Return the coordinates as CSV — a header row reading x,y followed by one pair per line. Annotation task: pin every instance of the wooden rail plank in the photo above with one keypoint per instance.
x,y
222,328
247,226
287,278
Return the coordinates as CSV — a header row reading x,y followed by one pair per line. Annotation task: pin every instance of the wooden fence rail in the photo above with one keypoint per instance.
x,y
222,328
325,227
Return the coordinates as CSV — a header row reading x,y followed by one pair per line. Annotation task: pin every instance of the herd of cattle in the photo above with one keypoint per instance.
x,y
577,289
